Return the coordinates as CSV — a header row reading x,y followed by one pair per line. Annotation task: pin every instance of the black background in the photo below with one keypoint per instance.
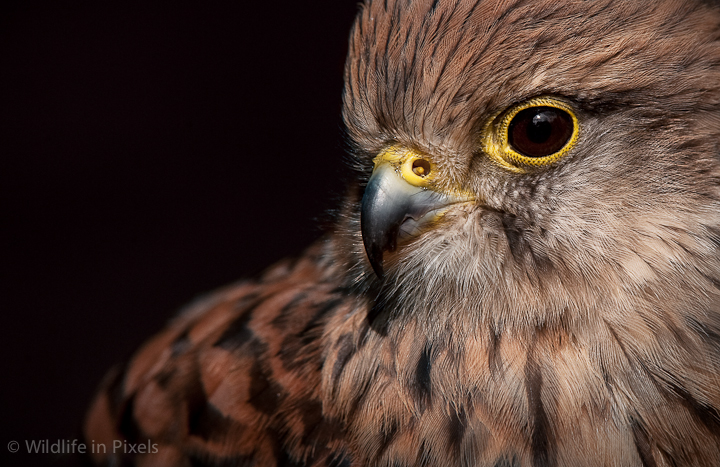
x,y
149,152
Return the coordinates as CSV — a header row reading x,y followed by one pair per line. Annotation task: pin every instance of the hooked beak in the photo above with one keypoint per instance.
x,y
399,200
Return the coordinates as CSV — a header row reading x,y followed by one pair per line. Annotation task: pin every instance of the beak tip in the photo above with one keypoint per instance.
x,y
374,254
376,261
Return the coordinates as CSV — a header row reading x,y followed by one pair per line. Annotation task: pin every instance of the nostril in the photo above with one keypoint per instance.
x,y
421,167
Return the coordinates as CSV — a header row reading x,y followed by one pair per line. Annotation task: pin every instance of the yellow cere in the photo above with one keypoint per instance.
x,y
418,170
496,140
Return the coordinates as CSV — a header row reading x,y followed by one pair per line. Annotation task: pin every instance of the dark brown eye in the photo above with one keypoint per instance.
x,y
540,131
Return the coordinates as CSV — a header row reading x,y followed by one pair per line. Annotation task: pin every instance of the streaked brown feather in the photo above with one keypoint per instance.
x,y
233,380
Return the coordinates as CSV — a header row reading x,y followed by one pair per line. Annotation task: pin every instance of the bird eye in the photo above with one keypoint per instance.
x,y
535,133
540,131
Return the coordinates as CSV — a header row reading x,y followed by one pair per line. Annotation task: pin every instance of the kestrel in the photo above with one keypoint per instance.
x,y
526,271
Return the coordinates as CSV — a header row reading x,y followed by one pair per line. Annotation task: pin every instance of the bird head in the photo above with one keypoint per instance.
x,y
530,163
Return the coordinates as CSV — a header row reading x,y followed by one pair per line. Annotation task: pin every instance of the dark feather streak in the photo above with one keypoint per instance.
x,y
238,333
208,423
494,360
423,382
318,429
542,445
707,415
642,444
457,425
345,349
265,394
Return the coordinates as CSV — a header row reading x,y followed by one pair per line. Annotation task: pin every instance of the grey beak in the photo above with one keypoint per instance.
x,y
392,208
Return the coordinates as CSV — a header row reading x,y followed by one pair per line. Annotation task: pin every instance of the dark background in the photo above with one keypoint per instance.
x,y
149,152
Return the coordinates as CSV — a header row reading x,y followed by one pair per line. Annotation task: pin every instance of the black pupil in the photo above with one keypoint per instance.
x,y
540,131
540,128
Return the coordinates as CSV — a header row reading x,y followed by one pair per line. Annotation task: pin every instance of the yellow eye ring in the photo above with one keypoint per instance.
x,y
544,127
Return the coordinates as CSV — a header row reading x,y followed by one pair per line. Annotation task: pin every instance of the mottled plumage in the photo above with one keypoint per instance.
x,y
553,313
